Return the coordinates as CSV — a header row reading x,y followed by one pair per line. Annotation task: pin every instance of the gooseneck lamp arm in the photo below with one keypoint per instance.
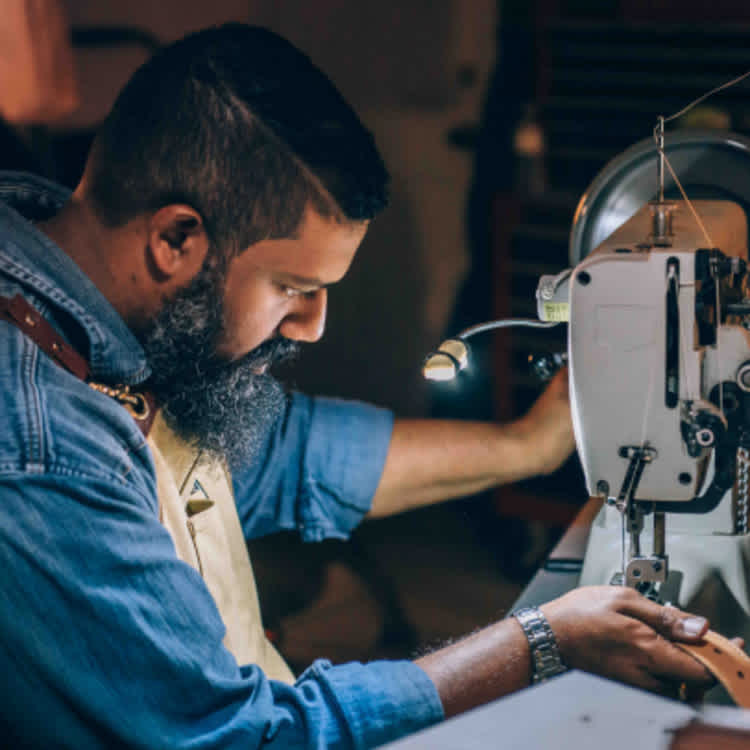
x,y
452,355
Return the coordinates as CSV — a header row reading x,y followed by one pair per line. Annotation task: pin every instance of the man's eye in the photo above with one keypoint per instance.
x,y
291,291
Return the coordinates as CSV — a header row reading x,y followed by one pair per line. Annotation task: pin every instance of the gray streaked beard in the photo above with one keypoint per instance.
x,y
225,408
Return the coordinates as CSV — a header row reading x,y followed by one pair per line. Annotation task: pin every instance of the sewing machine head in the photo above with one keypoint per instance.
x,y
659,369
659,354
659,357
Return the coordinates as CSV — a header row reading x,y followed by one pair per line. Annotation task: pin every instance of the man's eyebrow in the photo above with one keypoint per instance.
x,y
304,280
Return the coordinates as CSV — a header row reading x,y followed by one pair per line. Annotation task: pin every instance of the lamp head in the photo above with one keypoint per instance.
x,y
447,361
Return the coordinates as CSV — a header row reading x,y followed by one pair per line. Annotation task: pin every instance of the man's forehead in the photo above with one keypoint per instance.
x,y
320,253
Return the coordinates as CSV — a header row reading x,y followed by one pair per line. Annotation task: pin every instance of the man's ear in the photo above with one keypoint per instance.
x,y
177,243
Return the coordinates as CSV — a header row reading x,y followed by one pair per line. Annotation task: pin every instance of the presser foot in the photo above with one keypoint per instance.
x,y
661,592
647,588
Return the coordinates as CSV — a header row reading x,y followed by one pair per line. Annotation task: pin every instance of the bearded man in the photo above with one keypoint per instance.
x,y
230,185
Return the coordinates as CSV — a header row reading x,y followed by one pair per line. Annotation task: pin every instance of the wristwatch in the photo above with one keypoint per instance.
x,y
545,655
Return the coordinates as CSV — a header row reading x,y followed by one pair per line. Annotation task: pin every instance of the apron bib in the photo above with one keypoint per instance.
x,y
196,506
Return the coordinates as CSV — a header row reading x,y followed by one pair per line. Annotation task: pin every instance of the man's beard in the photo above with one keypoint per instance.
x,y
224,408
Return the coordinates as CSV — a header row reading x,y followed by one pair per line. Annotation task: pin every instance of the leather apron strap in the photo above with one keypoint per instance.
x,y
140,405
728,663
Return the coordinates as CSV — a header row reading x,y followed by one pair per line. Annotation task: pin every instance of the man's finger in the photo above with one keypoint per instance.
x,y
669,662
669,688
669,622
643,679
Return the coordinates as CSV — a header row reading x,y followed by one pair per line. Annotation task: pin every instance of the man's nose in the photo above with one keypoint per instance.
x,y
306,321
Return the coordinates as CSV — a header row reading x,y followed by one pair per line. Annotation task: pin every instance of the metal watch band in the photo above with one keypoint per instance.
x,y
545,655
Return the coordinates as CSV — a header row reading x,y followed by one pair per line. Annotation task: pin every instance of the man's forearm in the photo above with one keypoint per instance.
x,y
433,460
608,630
485,666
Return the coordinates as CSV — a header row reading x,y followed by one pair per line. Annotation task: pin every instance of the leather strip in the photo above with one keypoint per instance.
x,y
21,314
24,316
727,662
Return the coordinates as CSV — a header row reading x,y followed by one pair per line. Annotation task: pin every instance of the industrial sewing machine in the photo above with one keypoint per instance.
x,y
657,304
659,355
658,315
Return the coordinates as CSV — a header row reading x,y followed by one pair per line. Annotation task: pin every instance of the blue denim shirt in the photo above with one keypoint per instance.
x,y
106,638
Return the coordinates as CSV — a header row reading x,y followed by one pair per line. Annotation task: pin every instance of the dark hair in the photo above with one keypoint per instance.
x,y
239,124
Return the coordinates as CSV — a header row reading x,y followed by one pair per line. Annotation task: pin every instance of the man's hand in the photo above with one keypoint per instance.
x,y
615,632
548,427
609,630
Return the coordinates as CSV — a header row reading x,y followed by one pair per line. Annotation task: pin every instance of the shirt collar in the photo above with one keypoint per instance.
x,y
29,256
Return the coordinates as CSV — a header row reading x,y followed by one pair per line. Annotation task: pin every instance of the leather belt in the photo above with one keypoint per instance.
x,y
728,663
141,405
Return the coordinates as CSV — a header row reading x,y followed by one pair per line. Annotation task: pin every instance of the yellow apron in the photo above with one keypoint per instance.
x,y
196,506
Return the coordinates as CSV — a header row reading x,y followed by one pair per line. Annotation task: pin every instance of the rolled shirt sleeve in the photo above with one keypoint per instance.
x,y
379,702
318,470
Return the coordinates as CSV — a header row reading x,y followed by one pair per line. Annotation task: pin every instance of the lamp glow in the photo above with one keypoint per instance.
x,y
442,365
